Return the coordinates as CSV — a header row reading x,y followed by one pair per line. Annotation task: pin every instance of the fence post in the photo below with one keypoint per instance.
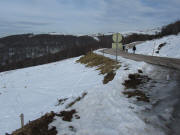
x,y
22,120
153,49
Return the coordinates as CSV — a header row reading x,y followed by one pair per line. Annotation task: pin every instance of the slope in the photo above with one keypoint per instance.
x,y
104,110
164,47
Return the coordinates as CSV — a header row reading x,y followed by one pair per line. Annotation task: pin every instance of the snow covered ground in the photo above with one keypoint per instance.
x,y
103,111
170,49
35,90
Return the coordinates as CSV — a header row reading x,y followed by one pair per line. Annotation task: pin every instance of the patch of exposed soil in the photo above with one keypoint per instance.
x,y
140,71
135,80
160,46
67,115
73,129
61,101
38,127
140,96
77,116
126,69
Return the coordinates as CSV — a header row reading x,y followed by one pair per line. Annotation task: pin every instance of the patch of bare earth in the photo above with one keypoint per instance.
x,y
61,101
105,65
71,128
67,115
38,127
160,46
140,96
135,80
132,84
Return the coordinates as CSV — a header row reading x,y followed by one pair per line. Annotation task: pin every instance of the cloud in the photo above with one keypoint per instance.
x,y
83,16
28,23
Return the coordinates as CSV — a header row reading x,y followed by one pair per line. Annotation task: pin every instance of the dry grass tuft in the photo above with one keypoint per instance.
x,y
106,65
108,77
76,100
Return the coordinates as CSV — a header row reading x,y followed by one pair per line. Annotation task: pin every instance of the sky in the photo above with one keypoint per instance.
x,y
85,16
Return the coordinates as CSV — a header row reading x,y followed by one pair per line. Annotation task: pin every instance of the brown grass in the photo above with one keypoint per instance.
x,y
38,127
76,100
106,65
109,77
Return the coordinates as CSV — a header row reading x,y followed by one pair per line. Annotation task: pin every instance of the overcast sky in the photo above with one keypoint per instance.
x,y
85,16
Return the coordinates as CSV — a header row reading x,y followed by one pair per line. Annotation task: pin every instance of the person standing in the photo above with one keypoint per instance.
x,y
134,49
123,47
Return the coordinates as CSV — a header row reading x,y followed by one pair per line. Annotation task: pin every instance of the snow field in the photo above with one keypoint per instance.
x,y
171,48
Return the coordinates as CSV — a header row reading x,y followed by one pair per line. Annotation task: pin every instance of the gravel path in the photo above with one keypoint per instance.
x,y
162,61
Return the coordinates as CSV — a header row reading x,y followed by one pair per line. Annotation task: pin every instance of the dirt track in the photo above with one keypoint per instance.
x,y
162,61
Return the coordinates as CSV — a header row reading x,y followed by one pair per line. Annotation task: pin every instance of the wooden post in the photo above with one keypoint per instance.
x,y
22,120
153,49
91,50
116,45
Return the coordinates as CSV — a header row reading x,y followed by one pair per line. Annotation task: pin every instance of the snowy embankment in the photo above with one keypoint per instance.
x,y
165,47
35,90
103,111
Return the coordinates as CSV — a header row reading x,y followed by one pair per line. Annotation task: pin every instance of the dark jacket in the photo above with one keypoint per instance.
x,y
134,48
